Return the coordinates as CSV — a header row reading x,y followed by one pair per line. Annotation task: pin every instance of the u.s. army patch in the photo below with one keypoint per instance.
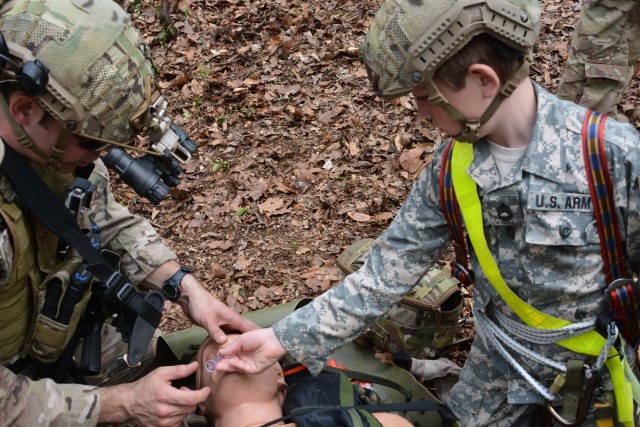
x,y
567,202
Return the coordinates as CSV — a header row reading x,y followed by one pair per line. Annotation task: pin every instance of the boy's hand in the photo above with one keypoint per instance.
x,y
252,352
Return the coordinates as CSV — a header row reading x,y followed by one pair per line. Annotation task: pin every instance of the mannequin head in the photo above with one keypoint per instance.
x,y
244,400
238,399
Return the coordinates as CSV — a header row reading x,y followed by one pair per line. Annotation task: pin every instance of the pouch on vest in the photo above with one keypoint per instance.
x,y
425,321
56,321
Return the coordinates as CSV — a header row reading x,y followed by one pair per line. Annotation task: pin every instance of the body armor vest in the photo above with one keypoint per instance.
x,y
36,261
17,294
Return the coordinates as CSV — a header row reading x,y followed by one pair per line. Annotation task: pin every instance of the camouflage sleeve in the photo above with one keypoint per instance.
x,y
131,236
26,402
601,58
396,262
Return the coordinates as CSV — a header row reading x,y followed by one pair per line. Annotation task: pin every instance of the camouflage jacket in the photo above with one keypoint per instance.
x,y
547,250
27,402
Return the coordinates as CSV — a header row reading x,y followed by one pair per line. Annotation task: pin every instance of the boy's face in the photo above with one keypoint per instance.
x,y
468,101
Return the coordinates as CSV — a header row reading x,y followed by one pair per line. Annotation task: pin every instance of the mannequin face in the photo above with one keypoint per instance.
x,y
239,399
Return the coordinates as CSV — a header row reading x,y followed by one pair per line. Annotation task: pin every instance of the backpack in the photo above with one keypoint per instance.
x,y
425,321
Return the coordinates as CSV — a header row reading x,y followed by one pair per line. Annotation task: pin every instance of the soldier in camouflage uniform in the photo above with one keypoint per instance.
x,y
94,85
604,49
466,64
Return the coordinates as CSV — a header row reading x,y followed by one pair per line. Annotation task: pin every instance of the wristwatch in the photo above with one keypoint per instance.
x,y
171,287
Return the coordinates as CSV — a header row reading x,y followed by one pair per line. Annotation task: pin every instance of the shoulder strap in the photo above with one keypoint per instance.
x,y
622,293
595,160
39,199
451,211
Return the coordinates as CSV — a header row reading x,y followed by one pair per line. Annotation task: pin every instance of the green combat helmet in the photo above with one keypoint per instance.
x,y
410,39
88,67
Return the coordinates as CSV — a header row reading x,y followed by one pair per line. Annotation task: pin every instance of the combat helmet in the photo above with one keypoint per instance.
x,y
83,62
410,39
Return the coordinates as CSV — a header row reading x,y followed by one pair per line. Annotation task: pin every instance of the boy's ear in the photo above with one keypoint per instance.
x,y
487,78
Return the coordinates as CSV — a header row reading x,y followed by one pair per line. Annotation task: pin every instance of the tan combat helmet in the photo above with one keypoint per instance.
x,y
93,70
410,39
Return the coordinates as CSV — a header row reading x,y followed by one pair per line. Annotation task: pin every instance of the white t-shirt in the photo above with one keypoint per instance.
x,y
505,157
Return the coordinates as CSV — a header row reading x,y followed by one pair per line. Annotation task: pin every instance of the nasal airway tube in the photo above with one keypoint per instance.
x,y
210,365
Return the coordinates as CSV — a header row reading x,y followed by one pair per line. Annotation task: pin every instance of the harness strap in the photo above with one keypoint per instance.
x,y
621,295
449,205
602,195
589,343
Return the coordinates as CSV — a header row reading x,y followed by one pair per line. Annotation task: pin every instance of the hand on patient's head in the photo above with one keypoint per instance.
x,y
238,397
252,352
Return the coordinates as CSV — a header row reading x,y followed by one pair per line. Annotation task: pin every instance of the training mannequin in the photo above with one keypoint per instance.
x,y
245,400
237,399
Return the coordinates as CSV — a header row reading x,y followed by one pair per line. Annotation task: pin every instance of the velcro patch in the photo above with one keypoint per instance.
x,y
567,202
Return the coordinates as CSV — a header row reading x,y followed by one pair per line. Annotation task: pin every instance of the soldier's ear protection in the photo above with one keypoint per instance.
x,y
32,77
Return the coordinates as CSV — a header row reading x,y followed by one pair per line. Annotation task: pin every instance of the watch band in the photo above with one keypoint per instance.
x,y
171,288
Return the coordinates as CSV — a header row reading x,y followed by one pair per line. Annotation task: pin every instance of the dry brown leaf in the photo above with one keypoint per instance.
x,y
411,160
217,271
328,116
271,205
220,244
359,217
242,263
384,216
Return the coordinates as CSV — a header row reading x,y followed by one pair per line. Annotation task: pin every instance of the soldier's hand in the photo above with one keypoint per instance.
x,y
210,313
152,400
252,352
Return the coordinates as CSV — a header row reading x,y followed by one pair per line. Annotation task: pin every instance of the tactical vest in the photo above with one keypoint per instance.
x,y
23,330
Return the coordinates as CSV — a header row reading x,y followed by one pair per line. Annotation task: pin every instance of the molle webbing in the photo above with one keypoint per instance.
x,y
16,295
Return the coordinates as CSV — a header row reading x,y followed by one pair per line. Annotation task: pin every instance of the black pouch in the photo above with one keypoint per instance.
x,y
329,393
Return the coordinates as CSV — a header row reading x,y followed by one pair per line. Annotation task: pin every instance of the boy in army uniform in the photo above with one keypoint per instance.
x,y
76,78
518,149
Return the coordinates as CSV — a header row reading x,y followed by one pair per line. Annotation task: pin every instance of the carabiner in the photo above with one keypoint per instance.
x,y
583,408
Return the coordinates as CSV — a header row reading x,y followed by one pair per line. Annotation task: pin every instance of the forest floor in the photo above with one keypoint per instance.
x,y
297,158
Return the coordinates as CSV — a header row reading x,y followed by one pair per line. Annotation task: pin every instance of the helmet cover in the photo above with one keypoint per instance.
x,y
100,70
409,39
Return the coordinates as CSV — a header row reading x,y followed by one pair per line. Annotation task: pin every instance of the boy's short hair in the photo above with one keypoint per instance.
x,y
480,50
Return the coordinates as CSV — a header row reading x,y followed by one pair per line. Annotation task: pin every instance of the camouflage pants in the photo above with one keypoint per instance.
x,y
605,46
479,398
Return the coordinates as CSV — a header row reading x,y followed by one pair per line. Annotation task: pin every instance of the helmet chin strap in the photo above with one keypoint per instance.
x,y
471,127
53,159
